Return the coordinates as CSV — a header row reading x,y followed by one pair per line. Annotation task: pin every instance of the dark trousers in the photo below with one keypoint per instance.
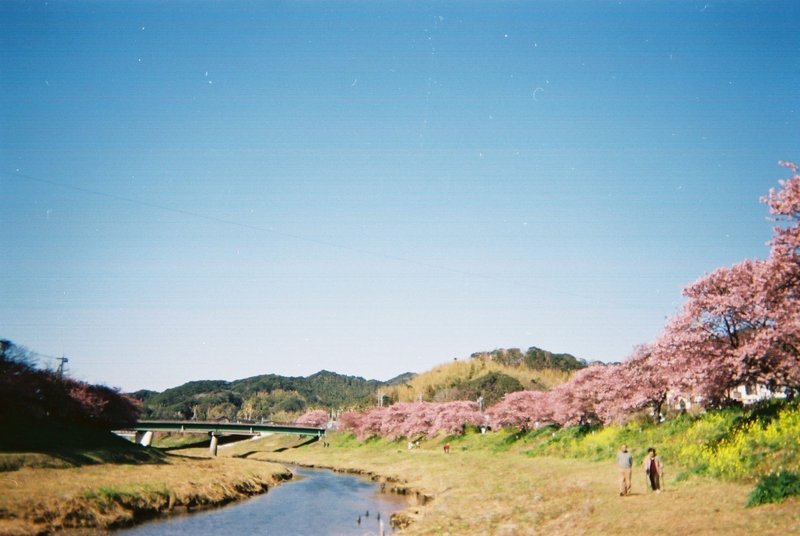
x,y
655,480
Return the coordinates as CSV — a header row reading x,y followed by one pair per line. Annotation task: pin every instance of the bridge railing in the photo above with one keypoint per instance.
x,y
245,428
144,430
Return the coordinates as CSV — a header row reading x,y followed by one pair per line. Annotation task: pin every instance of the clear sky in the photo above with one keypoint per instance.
x,y
215,190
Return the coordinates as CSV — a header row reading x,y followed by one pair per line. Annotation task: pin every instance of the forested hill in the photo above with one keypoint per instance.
x,y
282,399
269,397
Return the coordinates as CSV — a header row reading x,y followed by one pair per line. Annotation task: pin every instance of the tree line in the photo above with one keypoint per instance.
x,y
267,397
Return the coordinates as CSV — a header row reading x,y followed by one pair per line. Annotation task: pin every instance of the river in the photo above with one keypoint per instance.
x,y
316,502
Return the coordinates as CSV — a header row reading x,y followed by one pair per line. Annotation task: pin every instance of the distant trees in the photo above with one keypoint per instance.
x,y
534,358
538,359
491,387
267,397
225,411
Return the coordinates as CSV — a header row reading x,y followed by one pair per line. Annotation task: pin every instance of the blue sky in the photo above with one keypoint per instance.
x,y
198,190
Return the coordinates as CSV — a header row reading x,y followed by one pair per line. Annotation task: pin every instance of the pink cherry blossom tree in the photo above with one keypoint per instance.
x,y
779,342
784,207
412,419
371,424
703,349
352,421
583,399
641,384
453,418
521,409
741,325
316,418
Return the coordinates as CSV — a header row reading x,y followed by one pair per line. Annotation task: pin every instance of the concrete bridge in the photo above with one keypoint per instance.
x,y
144,430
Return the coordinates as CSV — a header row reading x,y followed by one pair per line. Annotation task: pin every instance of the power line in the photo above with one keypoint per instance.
x,y
270,230
37,356
44,356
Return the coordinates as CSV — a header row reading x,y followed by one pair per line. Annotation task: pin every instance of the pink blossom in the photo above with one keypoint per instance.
x,y
316,418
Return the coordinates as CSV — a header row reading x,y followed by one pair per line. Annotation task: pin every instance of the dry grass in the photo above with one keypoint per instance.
x,y
479,492
455,372
476,490
108,495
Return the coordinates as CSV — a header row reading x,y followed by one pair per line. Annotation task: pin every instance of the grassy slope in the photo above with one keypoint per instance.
x,y
449,374
735,444
117,486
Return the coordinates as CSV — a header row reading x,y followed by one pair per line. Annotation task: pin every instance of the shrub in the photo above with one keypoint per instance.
x,y
29,394
775,488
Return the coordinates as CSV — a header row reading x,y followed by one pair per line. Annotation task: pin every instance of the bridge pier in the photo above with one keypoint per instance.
x,y
144,438
212,448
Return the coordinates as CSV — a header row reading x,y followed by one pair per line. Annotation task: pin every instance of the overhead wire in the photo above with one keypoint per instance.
x,y
229,222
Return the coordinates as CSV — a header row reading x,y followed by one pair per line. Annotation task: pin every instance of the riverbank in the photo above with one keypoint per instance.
x,y
487,484
56,495
484,486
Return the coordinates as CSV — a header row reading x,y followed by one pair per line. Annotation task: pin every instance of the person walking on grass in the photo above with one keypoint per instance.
x,y
625,465
654,470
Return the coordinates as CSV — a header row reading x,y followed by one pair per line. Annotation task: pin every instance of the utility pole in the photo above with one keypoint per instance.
x,y
62,360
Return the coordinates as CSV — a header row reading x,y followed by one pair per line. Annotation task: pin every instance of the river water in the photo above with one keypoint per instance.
x,y
315,502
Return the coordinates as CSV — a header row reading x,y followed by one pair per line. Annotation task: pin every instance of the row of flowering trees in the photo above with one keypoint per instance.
x,y
413,419
738,326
